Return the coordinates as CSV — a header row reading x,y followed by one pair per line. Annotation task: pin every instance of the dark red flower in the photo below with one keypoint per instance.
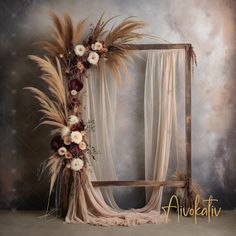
x,y
56,143
75,84
70,106
75,150
81,126
87,65
74,127
74,100
78,127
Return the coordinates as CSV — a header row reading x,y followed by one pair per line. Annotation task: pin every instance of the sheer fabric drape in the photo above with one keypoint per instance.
x,y
100,97
160,116
162,70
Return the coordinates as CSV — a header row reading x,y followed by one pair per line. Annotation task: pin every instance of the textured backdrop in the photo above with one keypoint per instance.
x,y
208,25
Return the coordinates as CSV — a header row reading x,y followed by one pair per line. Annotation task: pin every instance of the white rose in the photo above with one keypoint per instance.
x,y
97,46
73,92
76,164
79,50
62,151
72,120
93,58
76,137
65,131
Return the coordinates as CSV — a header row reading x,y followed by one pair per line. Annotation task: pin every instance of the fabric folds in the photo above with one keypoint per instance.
x,y
98,207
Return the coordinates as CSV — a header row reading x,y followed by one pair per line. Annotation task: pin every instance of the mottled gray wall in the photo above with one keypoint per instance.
x,y
208,25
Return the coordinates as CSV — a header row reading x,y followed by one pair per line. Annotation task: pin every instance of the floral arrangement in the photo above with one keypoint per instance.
x,y
71,144
71,54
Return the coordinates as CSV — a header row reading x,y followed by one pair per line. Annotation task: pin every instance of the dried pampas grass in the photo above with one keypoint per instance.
x,y
54,165
194,190
64,37
60,68
55,108
117,40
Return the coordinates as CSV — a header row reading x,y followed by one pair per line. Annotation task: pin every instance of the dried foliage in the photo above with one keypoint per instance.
x,y
55,108
70,55
65,37
195,189
54,165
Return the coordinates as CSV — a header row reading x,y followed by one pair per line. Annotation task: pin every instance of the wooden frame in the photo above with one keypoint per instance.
x,y
148,183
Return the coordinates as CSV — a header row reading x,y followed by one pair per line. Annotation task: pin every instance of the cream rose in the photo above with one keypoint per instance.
x,y
72,120
97,46
62,151
76,164
79,50
93,58
76,137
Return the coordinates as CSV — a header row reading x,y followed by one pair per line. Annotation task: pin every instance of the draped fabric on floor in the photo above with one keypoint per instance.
x,y
95,206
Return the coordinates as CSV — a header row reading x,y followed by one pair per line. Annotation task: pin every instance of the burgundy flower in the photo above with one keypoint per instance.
x,y
76,85
75,150
74,127
78,127
70,106
81,126
74,100
87,65
56,143
73,103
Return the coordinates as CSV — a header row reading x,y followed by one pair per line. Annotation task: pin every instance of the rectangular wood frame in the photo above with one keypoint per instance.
x,y
188,74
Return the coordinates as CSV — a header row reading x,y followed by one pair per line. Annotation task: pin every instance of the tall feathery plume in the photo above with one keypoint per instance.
x,y
70,55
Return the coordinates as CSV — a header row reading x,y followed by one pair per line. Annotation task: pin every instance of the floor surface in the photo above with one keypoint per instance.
x,y
30,224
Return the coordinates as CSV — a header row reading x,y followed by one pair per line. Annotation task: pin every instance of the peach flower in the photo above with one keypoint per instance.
x,y
82,145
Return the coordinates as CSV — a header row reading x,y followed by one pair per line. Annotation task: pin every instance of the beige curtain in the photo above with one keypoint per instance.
x,y
160,115
100,106
90,205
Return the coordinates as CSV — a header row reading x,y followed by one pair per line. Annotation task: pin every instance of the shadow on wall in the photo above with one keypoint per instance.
x,y
22,148
224,160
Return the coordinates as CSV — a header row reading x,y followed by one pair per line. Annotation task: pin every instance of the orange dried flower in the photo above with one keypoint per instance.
x,y
80,67
68,155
